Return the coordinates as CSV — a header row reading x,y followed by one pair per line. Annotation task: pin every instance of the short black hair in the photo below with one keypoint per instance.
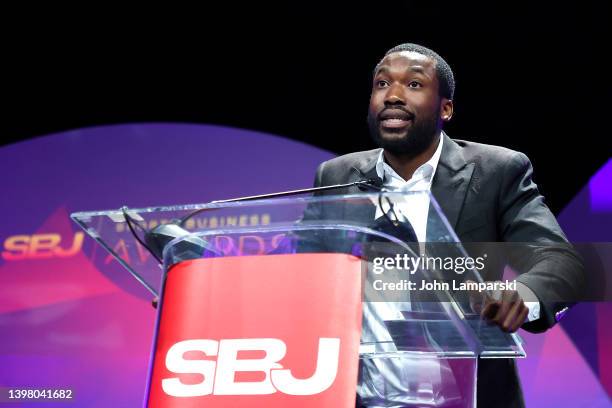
x,y
446,79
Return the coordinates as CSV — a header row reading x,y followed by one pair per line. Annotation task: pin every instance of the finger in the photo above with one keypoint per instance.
x,y
513,314
490,310
491,303
509,298
520,319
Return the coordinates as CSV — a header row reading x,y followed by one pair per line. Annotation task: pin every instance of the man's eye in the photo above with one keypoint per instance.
x,y
382,84
414,84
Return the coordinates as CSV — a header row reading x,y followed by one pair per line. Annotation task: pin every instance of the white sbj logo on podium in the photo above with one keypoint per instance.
x,y
219,377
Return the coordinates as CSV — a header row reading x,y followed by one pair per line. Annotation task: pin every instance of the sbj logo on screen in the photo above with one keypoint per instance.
x,y
220,376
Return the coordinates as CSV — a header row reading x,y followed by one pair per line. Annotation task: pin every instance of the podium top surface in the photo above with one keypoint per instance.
x,y
122,231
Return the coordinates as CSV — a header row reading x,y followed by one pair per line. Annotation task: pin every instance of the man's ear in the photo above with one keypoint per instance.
x,y
446,109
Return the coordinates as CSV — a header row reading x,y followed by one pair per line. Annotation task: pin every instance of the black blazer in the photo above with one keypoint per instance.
x,y
488,195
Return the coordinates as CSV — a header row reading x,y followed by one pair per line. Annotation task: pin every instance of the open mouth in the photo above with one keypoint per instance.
x,y
395,123
395,119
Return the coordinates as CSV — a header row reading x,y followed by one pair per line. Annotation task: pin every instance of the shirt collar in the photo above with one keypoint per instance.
x,y
425,171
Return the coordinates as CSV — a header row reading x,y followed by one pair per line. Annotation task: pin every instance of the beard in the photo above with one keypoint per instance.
x,y
415,140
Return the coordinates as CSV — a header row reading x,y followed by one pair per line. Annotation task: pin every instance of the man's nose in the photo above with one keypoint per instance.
x,y
395,95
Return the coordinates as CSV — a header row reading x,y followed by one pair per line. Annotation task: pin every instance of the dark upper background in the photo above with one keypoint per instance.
x,y
534,80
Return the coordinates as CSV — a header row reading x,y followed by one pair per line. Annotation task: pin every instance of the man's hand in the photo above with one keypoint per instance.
x,y
504,308
507,310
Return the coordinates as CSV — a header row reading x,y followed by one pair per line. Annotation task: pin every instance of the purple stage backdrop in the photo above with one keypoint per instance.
x,y
71,318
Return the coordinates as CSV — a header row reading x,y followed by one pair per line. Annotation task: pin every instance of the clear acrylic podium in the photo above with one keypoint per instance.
x,y
411,346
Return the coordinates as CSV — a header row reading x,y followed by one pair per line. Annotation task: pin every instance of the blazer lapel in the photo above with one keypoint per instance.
x,y
364,170
366,167
451,181
449,186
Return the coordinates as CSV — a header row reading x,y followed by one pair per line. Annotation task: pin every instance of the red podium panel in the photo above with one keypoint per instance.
x,y
259,331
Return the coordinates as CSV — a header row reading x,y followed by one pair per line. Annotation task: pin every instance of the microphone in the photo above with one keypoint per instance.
x,y
191,247
374,183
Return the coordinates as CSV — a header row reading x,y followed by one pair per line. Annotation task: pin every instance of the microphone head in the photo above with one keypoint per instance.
x,y
191,247
376,181
373,183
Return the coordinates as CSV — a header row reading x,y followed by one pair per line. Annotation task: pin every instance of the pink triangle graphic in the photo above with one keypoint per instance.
x,y
30,283
563,378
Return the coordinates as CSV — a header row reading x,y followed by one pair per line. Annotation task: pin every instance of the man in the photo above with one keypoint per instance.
x,y
486,193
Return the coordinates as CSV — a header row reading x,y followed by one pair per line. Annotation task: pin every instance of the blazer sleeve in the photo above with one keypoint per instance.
x,y
312,240
548,264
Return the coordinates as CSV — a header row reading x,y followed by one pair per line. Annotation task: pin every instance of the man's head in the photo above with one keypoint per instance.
x,y
411,98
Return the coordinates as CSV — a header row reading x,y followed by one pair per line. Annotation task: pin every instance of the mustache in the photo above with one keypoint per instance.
x,y
395,111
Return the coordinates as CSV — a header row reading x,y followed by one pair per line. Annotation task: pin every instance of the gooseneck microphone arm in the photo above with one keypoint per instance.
x,y
156,238
371,184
